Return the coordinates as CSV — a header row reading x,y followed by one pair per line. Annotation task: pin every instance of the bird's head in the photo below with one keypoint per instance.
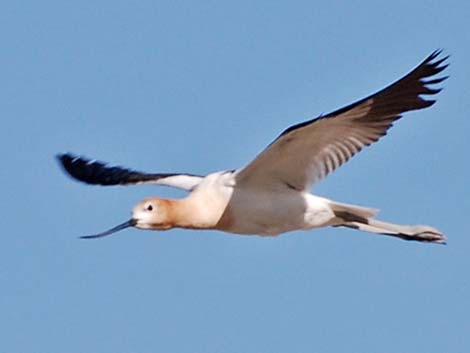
x,y
150,213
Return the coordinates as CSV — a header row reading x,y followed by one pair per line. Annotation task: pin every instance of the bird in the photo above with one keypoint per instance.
x,y
272,194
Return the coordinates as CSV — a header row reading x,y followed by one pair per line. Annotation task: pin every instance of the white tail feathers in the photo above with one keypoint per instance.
x,y
362,218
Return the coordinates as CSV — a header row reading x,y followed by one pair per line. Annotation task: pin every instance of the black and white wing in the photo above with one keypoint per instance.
x,y
307,152
98,173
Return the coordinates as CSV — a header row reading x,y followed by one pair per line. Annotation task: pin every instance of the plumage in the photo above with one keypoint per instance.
x,y
98,173
323,144
271,194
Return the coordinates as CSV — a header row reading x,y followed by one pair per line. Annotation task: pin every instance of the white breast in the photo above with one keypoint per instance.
x,y
251,211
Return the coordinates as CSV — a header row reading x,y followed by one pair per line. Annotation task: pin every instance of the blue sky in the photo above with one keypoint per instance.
x,y
197,87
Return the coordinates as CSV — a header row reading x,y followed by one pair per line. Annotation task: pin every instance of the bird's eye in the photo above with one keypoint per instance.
x,y
149,208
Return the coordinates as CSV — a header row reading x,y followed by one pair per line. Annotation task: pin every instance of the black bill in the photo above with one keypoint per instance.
x,y
129,223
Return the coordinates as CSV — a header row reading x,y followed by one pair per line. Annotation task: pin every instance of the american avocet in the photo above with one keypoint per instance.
x,y
271,195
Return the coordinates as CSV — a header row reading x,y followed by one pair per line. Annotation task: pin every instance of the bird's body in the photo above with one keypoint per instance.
x,y
271,195
252,211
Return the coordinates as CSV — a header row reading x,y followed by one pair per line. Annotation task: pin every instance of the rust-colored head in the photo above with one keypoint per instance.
x,y
150,213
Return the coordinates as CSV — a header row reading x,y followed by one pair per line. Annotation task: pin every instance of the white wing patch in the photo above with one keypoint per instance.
x,y
181,181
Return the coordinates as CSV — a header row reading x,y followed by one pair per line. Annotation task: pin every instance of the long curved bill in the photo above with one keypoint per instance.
x,y
127,224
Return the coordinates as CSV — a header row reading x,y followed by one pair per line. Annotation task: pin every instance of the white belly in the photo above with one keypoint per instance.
x,y
268,213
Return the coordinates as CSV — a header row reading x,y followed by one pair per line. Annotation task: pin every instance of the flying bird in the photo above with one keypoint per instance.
x,y
271,195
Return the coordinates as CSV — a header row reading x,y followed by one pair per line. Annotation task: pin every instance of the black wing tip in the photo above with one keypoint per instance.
x,y
435,66
426,73
67,160
91,171
435,80
436,53
95,172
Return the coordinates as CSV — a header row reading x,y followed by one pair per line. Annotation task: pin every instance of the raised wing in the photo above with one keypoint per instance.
x,y
307,152
98,173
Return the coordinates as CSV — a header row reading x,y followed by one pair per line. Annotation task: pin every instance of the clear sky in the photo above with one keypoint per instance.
x,y
170,86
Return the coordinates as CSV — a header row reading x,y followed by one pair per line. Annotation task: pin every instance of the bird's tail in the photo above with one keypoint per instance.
x,y
362,218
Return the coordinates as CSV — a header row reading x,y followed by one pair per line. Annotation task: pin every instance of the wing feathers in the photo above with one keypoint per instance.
x,y
404,94
306,152
98,173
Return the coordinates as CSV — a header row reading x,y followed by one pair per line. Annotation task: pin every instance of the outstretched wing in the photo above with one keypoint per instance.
x,y
98,173
307,152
